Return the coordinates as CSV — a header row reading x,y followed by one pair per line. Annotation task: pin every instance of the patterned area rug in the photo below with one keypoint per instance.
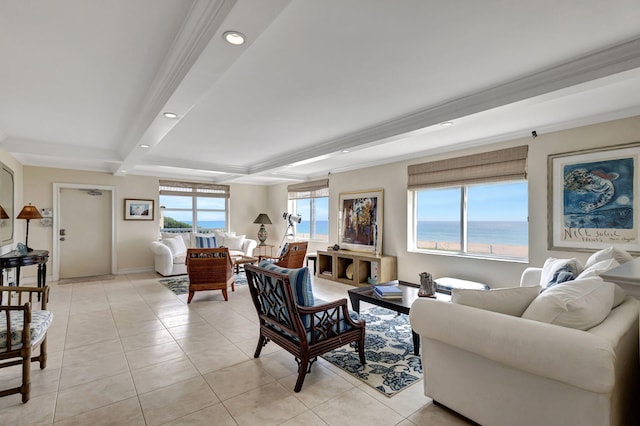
x,y
180,283
391,365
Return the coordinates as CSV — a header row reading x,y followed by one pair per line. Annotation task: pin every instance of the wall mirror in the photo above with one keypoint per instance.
x,y
6,205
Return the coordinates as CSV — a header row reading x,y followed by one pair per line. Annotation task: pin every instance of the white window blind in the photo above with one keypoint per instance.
x,y
311,189
169,187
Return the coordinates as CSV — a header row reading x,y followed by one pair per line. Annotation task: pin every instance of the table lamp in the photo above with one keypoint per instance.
x,y
262,219
29,212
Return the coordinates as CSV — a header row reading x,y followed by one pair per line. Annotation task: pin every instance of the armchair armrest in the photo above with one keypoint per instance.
x,y
329,319
571,356
248,245
160,249
530,277
25,294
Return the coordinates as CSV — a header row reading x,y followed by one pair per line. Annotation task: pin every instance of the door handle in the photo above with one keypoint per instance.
x,y
62,239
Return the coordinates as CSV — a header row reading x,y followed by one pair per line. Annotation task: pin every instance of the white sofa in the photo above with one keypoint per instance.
x,y
170,253
500,369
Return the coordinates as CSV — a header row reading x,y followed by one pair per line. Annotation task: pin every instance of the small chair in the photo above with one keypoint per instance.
x,y
23,329
292,255
293,323
209,269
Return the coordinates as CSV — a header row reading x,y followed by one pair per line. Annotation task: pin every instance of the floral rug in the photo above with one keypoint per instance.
x,y
180,284
391,365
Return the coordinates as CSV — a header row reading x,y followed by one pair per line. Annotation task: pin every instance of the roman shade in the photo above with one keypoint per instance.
x,y
495,166
170,187
311,189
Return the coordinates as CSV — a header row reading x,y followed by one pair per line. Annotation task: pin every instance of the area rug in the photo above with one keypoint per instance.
x,y
180,283
391,365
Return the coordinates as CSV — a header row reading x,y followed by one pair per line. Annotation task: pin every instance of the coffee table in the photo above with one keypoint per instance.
x,y
241,260
399,305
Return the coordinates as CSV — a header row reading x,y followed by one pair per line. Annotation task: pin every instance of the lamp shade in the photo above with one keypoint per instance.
x,y
3,213
29,212
263,219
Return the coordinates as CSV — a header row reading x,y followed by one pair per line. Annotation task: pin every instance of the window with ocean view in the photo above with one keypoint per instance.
x,y
184,204
479,219
310,201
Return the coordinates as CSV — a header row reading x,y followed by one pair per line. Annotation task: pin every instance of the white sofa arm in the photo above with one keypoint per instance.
x,y
163,261
563,354
530,277
248,245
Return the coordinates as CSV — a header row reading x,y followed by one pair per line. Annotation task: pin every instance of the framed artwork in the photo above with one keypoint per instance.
x,y
593,199
138,209
361,219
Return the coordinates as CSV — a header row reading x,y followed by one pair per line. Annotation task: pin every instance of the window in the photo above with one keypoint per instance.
x,y
475,205
494,222
183,204
310,201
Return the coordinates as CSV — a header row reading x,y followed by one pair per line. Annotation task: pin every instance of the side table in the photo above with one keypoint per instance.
x,y
16,260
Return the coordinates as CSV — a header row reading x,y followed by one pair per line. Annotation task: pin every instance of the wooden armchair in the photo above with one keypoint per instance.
x,y
209,269
292,255
23,328
303,331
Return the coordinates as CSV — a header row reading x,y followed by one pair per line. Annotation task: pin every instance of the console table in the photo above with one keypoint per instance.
x,y
626,276
355,268
16,260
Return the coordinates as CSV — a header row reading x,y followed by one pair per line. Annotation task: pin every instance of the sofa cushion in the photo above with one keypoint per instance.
x,y
511,301
596,269
616,253
579,304
178,248
222,236
555,271
234,243
208,241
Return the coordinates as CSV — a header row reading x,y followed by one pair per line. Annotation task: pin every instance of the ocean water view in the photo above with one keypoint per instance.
x,y
506,233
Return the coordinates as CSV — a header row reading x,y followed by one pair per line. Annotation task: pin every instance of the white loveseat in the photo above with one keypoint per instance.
x,y
171,251
498,368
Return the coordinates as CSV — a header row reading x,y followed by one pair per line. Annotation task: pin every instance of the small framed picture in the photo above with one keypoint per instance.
x,y
138,209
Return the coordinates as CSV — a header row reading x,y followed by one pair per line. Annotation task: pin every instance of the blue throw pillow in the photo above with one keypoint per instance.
x,y
206,242
300,280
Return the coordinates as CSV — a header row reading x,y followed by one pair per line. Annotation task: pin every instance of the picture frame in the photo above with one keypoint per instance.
x,y
361,218
137,209
593,199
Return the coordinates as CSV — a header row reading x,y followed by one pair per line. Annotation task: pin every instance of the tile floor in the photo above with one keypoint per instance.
x,y
127,351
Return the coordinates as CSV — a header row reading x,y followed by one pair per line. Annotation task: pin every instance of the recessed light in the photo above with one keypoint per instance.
x,y
170,114
447,124
234,37
345,151
144,145
123,171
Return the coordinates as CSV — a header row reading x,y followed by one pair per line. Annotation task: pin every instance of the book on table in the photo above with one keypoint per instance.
x,y
391,291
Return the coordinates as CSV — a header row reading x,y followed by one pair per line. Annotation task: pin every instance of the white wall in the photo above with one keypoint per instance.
x,y
132,237
393,179
247,201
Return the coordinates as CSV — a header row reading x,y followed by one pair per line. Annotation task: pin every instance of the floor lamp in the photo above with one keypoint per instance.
x,y
29,212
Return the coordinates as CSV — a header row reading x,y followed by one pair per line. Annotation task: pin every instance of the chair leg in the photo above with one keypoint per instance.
x,y
261,342
25,389
43,354
224,293
303,366
361,349
191,293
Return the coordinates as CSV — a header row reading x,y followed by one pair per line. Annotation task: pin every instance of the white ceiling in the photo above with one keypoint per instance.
x,y
83,84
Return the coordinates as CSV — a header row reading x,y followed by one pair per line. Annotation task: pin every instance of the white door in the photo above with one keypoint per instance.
x,y
85,232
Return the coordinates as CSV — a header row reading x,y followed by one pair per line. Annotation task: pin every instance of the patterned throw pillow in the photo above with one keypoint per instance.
x,y
206,242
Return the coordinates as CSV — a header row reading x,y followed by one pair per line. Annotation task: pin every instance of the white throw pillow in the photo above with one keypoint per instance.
x,y
511,301
221,237
612,252
234,243
553,267
598,268
579,304
177,246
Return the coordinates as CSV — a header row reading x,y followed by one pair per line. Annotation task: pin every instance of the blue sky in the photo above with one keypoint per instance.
x,y
495,202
